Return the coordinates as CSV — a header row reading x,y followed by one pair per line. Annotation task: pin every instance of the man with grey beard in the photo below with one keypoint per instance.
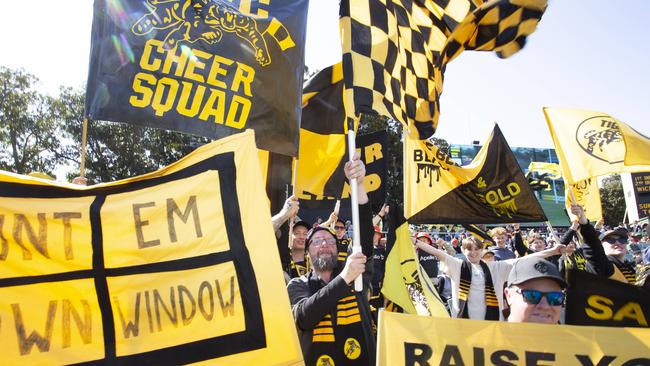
x,y
334,322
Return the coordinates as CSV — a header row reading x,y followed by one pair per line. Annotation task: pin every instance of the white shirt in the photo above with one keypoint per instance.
x,y
499,270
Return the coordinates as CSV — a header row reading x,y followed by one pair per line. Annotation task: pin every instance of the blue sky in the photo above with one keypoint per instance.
x,y
585,54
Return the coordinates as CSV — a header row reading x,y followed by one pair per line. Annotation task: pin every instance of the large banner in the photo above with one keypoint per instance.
x,y
413,340
593,300
492,189
207,67
173,267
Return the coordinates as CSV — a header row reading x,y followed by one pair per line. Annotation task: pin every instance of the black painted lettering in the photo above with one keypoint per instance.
x,y
227,307
479,356
585,360
191,208
501,358
451,356
206,288
418,155
139,223
39,242
84,326
172,315
147,303
67,231
25,343
533,358
417,354
131,328
183,292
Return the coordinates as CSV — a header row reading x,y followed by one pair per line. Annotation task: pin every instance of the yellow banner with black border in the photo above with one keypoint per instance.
x,y
413,340
173,267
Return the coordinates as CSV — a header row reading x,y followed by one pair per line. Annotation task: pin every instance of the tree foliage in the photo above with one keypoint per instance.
x,y
28,133
115,150
43,133
613,200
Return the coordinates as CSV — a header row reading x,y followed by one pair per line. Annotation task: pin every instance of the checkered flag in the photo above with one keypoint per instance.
x,y
395,51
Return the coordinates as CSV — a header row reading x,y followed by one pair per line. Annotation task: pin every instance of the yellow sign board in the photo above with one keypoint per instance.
x,y
174,267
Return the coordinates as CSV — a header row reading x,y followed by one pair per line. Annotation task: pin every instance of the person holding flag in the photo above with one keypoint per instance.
x,y
333,321
606,252
475,283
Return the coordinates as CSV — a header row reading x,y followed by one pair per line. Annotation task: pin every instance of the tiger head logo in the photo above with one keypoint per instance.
x,y
205,21
600,137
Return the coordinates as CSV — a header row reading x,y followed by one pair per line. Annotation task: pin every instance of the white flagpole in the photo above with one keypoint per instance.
x,y
354,200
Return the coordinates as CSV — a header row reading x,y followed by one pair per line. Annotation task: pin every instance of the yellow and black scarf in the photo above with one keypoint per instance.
x,y
491,303
340,338
297,269
342,247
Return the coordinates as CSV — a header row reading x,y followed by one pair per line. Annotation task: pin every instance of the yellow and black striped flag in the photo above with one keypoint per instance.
x,y
491,189
395,51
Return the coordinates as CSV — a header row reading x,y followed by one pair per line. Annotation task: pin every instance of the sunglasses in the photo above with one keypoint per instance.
x,y
339,227
615,239
533,297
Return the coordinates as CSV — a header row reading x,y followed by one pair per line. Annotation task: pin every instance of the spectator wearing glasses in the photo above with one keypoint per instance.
x,y
606,252
340,231
534,292
333,321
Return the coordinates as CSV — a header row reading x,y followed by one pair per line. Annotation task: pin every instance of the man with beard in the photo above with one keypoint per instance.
x,y
333,321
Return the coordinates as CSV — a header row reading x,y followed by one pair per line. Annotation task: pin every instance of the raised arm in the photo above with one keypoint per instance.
x,y
592,248
440,254
288,211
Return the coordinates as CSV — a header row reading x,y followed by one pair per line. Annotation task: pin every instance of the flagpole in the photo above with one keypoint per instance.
x,y
294,177
84,132
354,201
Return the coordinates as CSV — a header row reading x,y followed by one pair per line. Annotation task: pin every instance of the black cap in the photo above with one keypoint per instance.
x,y
530,268
302,223
618,232
313,231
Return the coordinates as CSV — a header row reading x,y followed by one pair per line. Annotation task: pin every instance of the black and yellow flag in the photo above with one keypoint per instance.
x,y
405,281
590,144
173,267
323,144
395,52
480,234
492,189
207,67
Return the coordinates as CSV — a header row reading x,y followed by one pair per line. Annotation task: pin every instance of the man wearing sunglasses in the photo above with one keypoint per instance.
x,y
605,253
534,292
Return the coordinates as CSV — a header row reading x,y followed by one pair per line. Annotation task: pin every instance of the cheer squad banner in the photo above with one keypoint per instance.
x,y
168,268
